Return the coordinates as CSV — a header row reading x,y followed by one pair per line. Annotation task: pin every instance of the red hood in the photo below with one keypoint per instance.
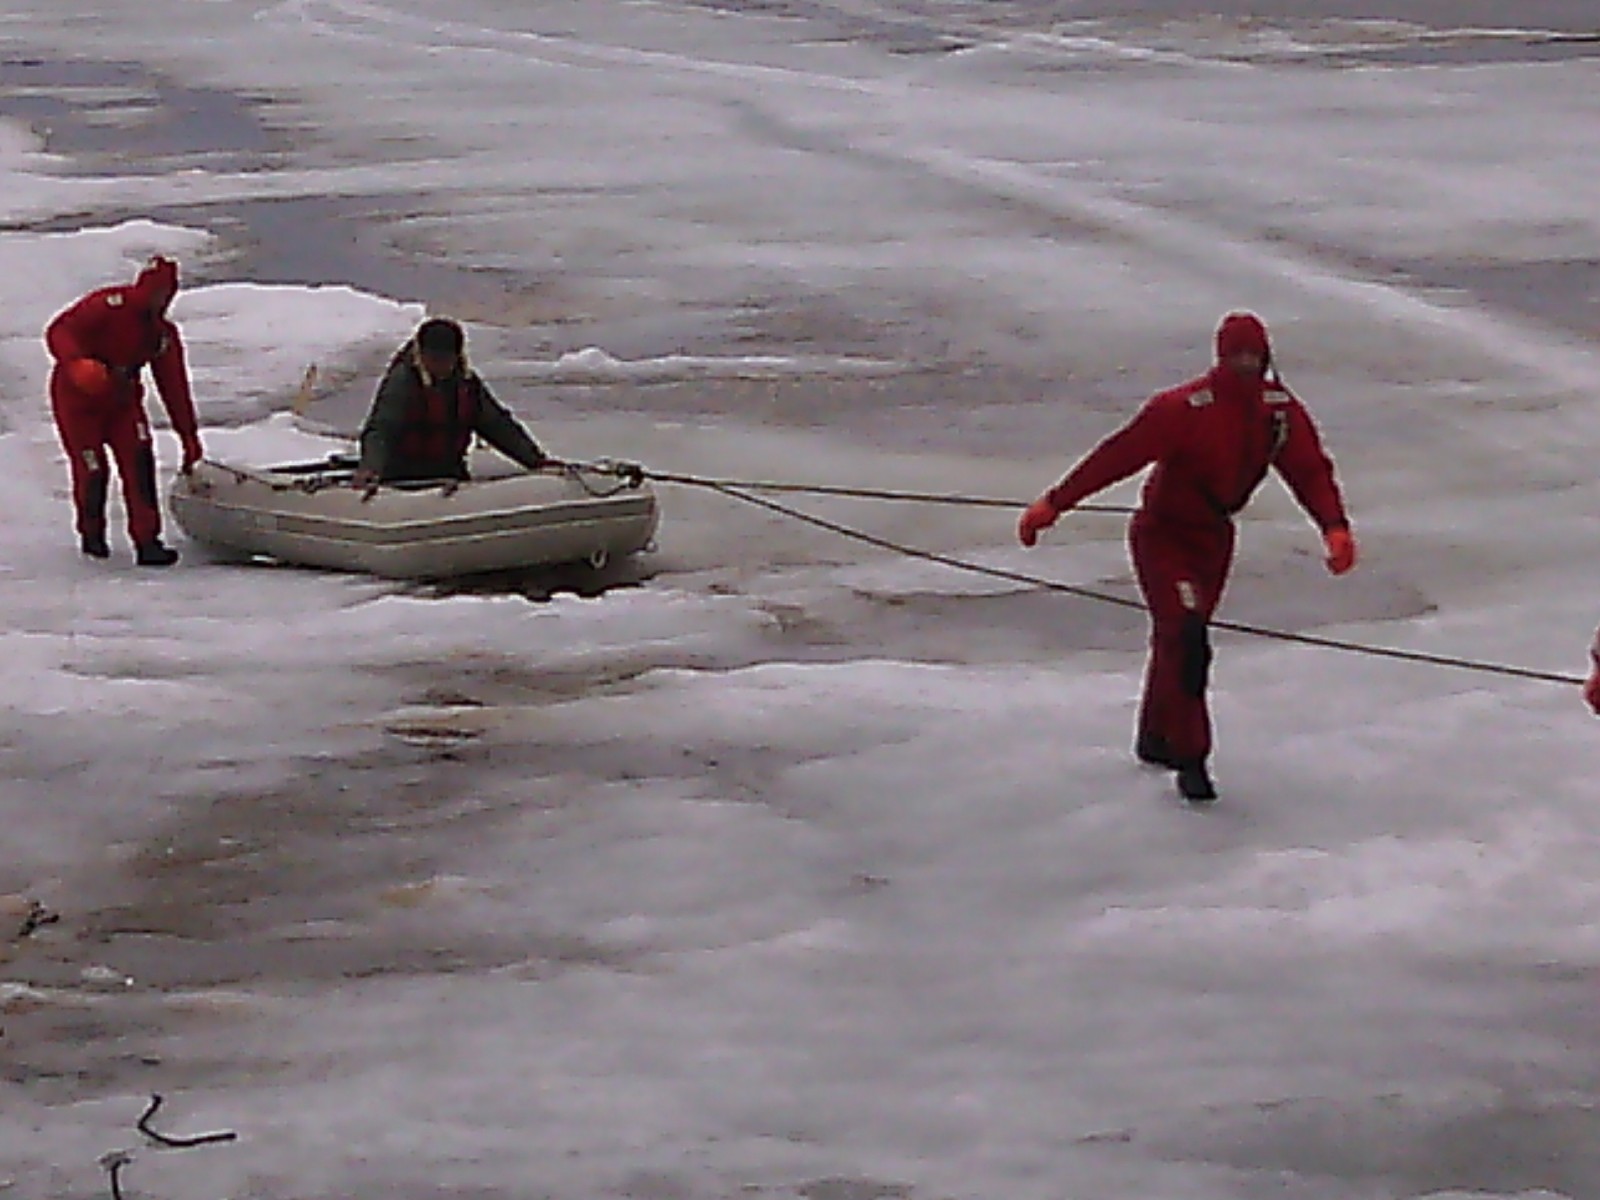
x,y
1242,331
160,275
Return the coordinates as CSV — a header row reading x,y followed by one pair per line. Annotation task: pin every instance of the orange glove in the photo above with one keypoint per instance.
x,y
1036,518
90,377
1591,690
1341,547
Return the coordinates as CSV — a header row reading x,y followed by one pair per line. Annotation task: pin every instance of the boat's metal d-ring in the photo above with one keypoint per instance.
x,y
599,559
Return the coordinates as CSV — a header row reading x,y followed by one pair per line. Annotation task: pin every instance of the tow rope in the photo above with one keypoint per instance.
x,y
745,491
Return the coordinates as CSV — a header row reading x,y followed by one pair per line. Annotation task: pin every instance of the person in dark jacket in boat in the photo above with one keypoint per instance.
x,y
428,406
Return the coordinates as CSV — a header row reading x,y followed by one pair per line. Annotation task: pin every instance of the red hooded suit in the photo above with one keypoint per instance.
x,y
101,344
1211,441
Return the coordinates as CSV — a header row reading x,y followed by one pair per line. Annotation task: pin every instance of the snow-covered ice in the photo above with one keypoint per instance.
x,y
801,870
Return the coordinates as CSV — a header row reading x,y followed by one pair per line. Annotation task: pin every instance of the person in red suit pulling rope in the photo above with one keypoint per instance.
x,y
1211,442
101,345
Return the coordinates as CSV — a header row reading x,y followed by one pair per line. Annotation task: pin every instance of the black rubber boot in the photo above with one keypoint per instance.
x,y
154,554
1194,784
94,545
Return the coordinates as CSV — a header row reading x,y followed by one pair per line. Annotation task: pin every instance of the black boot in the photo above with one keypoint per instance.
x,y
1152,750
1194,783
154,554
91,514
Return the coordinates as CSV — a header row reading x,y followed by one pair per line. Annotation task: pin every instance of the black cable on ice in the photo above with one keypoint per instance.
x,y
178,1143
861,493
743,493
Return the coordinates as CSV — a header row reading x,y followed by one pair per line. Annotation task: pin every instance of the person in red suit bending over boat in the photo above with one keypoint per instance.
x,y
1211,442
101,345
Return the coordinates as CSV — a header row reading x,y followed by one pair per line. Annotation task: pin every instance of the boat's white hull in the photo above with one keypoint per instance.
x,y
309,515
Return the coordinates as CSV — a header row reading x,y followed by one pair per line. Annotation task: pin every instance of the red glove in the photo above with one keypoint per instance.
x,y
1591,690
192,453
1036,518
1341,547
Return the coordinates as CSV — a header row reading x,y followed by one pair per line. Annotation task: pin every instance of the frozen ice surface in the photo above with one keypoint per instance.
x,y
801,870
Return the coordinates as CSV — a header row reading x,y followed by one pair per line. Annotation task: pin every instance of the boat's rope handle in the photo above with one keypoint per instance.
x,y
628,475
